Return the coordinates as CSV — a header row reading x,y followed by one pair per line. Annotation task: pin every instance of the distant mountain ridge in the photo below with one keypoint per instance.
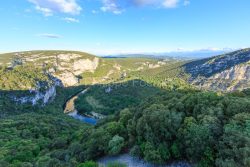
x,y
227,72
177,55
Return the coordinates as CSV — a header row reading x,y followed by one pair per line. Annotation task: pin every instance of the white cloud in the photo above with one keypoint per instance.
x,y
111,6
118,6
47,35
71,20
170,3
49,7
44,11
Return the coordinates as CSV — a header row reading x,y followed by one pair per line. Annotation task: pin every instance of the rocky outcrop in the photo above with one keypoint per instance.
x,y
83,65
68,78
228,72
209,67
64,72
67,57
66,66
43,93
235,78
68,72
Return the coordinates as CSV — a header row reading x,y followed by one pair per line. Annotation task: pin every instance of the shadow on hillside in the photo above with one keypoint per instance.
x,y
137,89
114,97
10,106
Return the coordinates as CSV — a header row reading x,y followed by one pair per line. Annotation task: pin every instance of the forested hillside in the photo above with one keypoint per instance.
x,y
150,108
110,99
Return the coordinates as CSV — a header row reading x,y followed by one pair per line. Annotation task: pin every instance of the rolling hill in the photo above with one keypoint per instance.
x,y
39,72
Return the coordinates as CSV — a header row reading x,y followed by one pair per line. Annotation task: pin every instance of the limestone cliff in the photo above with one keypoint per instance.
x,y
227,72
43,93
235,78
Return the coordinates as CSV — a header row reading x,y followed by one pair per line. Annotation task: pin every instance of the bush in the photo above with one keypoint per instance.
x,y
88,164
135,151
116,144
151,154
116,164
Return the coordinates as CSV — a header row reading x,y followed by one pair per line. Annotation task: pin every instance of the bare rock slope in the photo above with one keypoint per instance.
x,y
228,72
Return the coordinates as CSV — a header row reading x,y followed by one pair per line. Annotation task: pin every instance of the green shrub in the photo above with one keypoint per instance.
x,y
88,164
116,145
116,164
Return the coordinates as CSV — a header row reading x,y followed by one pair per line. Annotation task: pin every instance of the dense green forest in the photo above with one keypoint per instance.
x,y
205,128
111,98
153,114
33,135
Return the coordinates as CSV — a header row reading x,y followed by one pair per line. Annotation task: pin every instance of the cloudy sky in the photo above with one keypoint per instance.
x,y
124,26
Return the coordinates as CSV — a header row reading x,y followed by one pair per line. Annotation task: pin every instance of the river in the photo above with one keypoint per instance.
x,y
70,109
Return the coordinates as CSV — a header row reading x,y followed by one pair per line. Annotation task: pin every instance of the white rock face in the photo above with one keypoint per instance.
x,y
235,78
152,66
44,97
51,92
85,65
68,79
64,66
73,66
140,68
68,57
37,95
117,67
161,63
235,73
68,72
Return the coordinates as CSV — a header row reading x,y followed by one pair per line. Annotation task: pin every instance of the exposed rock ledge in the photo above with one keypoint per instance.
x,y
235,78
69,72
39,94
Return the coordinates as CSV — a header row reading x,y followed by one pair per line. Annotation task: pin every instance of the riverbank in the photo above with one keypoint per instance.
x,y
70,105
136,162
69,108
84,119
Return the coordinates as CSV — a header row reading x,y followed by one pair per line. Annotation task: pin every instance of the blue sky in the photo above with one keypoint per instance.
x,y
124,26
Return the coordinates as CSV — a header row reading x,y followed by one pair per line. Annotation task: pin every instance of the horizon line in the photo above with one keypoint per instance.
x,y
106,53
